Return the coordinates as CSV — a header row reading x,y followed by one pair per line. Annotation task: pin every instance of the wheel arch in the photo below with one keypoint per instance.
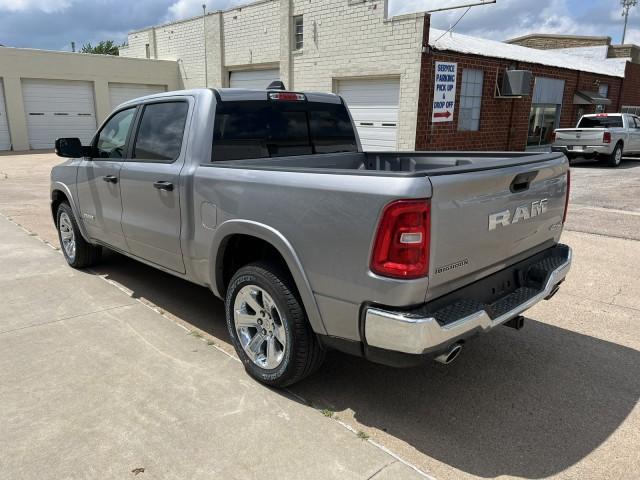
x,y
61,193
255,233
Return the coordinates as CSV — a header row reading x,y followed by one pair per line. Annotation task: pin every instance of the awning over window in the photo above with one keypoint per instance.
x,y
589,98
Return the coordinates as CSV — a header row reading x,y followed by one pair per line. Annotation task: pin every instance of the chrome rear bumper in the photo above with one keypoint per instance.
x,y
408,332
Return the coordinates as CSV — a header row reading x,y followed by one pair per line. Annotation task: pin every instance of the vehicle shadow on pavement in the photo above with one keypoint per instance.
x,y
528,403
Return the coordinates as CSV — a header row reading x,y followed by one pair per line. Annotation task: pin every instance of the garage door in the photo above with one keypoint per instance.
x,y
58,108
374,107
123,92
253,79
5,140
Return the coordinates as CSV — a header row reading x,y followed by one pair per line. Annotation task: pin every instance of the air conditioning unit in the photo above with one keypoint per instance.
x,y
516,83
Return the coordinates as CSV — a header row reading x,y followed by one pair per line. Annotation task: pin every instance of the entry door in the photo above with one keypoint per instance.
x,y
99,192
150,185
373,104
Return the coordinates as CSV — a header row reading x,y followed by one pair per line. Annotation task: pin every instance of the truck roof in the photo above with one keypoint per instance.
x,y
238,94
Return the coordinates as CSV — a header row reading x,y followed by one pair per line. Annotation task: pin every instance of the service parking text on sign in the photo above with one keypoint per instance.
x,y
444,93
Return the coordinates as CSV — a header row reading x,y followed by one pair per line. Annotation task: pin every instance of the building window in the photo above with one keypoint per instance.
x,y
470,100
298,28
147,50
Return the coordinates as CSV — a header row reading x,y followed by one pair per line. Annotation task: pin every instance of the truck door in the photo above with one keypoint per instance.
x,y
98,180
150,183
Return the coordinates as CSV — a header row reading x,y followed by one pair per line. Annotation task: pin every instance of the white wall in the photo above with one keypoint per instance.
x,y
342,39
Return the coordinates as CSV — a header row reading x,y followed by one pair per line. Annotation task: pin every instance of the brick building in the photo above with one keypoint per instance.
x,y
384,67
563,88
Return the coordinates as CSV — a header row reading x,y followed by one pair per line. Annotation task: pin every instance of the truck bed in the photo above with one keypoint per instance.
x,y
395,163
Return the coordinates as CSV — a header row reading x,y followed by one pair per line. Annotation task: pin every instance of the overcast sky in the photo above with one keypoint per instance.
x,y
53,24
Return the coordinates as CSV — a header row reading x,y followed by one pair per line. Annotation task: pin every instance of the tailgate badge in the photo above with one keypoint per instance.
x,y
525,212
452,266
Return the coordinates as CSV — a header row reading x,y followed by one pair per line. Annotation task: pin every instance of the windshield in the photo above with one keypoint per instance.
x,y
601,122
247,130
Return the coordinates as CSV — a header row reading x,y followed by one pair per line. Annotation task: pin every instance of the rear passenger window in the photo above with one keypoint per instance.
x,y
160,133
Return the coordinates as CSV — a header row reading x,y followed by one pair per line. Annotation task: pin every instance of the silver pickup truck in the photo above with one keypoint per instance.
x,y
267,198
608,136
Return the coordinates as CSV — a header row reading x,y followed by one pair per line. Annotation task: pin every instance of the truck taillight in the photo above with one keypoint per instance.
x,y
401,247
606,138
566,200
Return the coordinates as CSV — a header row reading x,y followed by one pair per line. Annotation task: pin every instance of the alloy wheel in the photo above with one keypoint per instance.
x,y
67,236
259,327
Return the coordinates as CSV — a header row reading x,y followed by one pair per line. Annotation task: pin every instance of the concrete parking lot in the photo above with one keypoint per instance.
x,y
97,378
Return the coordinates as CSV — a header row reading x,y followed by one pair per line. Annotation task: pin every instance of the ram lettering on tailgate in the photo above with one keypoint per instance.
x,y
525,212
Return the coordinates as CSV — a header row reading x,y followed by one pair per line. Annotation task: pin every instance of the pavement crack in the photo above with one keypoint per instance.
x,y
70,317
613,299
375,474
606,235
611,304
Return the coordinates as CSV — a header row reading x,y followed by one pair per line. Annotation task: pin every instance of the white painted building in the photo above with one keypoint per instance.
x,y
45,95
350,47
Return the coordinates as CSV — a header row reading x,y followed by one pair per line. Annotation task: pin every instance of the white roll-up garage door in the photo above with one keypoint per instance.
x,y
123,92
58,108
5,139
253,79
374,107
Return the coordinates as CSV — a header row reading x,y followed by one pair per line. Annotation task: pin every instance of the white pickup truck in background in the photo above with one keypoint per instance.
x,y
607,136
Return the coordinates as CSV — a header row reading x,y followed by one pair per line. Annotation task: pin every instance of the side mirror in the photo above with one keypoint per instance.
x,y
69,148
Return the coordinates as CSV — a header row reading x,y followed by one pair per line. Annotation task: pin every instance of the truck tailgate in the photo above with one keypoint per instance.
x,y
482,222
569,137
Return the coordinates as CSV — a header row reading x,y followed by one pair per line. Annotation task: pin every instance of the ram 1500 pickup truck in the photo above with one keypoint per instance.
x,y
267,198
608,136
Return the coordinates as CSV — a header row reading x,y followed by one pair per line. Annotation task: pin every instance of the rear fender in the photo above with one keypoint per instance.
x,y
282,245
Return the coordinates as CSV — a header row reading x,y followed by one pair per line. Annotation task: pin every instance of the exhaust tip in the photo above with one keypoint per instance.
x,y
450,355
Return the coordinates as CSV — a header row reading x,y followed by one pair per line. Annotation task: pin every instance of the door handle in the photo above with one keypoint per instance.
x,y
110,178
162,185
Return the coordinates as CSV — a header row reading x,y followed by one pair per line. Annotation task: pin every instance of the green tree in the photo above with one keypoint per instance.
x,y
105,47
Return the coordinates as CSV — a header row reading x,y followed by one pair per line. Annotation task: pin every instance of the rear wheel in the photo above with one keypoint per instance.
x,y
615,159
76,250
269,328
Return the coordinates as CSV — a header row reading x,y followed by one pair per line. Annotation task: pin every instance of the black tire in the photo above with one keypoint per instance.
x,y
85,254
302,355
615,159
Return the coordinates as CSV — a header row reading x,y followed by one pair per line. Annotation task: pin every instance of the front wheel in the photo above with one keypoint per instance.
x,y
77,251
269,328
615,159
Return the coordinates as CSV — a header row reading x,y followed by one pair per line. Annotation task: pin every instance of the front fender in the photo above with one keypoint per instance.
x,y
57,185
280,243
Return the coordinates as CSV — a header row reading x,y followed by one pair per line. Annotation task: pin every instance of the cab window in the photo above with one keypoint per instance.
x,y
113,136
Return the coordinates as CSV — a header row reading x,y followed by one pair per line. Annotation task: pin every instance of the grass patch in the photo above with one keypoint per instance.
x,y
327,413
195,333
362,435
